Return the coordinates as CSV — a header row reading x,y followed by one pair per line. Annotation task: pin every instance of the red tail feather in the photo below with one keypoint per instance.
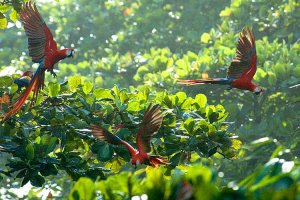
x,y
36,83
196,82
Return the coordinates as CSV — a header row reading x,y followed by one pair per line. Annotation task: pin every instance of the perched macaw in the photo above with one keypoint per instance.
x,y
149,126
241,70
43,50
24,80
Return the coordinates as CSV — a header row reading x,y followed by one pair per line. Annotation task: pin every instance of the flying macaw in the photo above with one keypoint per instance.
x,y
24,80
241,70
149,126
43,50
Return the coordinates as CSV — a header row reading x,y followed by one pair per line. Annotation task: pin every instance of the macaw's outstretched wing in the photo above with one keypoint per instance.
x,y
35,85
245,59
40,38
150,125
104,135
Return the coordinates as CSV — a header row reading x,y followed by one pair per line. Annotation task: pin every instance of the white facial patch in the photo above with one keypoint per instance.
x,y
257,90
69,52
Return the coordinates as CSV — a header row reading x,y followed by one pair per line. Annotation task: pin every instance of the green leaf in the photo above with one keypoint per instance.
x,y
30,151
74,82
37,180
123,183
133,106
48,170
101,93
87,87
180,97
13,15
4,8
3,21
84,188
236,144
205,38
54,89
105,152
226,12
5,81
189,125
51,145
201,100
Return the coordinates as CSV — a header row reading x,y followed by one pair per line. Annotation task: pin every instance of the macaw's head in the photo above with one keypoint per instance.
x,y
258,90
70,52
28,73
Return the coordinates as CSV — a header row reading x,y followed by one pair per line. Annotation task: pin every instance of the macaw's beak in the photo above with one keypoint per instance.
x,y
70,52
72,55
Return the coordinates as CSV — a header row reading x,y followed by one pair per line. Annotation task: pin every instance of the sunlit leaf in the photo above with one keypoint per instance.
x,y
54,89
87,87
201,100
236,144
101,93
205,37
13,15
3,21
74,82
84,188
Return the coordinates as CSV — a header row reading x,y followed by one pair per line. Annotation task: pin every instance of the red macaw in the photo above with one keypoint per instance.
x,y
24,80
43,50
241,70
149,126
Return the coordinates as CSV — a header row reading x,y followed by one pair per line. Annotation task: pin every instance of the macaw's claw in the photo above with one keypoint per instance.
x,y
53,73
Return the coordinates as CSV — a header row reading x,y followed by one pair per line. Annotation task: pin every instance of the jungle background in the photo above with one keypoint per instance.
x,y
221,144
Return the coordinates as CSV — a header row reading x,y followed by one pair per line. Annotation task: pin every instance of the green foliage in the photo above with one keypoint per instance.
x,y
277,179
83,189
52,136
9,8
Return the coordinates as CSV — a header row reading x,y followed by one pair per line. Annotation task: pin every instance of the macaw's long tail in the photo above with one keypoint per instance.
x,y
221,81
158,160
35,85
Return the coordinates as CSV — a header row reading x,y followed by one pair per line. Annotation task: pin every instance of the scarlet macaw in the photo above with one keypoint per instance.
x,y
24,80
43,50
149,126
241,70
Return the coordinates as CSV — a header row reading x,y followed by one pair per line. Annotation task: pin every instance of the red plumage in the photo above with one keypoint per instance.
x,y
43,50
149,126
241,70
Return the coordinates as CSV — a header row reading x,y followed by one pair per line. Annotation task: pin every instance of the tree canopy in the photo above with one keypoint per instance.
x,y
221,144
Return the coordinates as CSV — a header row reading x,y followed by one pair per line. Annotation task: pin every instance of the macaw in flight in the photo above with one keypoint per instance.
x,y
24,80
43,50
241,70
149,126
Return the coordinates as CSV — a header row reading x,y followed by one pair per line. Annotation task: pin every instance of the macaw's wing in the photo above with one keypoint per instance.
x,y
35,85
150,125
245,56
104,135
40,38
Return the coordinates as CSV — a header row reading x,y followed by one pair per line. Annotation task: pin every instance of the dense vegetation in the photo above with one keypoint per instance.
x,y
223,144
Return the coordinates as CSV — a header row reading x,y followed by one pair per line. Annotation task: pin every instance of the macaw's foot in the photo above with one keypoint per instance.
x,y
53,73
